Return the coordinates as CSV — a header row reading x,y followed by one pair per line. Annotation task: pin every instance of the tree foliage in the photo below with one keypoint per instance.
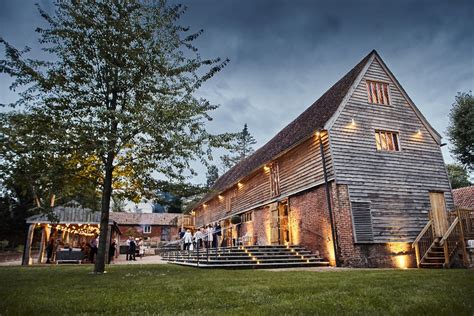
x,y
458,176
212,175
120,79
461,129
240,148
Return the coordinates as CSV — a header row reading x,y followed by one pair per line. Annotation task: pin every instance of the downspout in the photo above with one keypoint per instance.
x,y
328,199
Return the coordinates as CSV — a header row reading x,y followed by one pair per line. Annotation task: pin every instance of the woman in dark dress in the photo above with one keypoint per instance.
x,y
112,250
49,250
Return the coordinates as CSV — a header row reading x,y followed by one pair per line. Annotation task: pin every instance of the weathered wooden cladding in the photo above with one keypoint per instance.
x,y
299,168
397,183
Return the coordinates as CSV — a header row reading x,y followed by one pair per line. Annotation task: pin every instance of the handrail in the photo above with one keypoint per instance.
x,y
422,233
449,231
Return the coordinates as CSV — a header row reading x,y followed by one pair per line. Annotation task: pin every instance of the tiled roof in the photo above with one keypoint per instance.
x,y
464,197
144,218
314,118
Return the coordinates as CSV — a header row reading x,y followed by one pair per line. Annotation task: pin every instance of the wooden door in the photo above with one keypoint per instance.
x,y
438,213
283,219
275,228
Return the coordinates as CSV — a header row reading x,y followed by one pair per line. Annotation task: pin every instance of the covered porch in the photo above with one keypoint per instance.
x,y
70,228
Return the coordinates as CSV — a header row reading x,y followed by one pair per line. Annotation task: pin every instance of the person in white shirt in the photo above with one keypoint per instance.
x,y
187,239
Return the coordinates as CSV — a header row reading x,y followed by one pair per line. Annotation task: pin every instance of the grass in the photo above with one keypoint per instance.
x,y
171,290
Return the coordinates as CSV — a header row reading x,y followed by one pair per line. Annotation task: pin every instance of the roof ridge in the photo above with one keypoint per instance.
x,y
313,118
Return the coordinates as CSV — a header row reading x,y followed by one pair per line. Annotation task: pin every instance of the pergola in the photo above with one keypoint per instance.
x,y
71,223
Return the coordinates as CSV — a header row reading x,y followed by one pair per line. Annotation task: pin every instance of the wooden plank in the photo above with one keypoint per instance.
x,y
396,183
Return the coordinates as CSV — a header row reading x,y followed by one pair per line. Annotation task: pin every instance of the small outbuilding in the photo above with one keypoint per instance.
x,y
70,224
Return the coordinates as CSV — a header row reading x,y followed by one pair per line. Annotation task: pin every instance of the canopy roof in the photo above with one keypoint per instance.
x,y
70,213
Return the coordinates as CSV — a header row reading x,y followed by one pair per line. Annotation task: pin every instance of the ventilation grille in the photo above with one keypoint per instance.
x,y
362,222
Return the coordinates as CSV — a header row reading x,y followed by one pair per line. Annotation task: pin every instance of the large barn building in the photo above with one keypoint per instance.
x,y
365,145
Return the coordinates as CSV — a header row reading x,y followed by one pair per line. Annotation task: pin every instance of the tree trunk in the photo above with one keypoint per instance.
x,y
104,218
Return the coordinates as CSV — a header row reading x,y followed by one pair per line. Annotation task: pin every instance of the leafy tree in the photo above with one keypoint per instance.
x,y
121,77
239,150
458,176
174,197
212,175
461,129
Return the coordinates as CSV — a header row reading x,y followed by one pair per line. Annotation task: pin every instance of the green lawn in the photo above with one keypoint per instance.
x,y
168,289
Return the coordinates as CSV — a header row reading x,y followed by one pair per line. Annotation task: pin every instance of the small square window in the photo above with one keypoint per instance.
x,y
247,217
387,141
378,92
147,229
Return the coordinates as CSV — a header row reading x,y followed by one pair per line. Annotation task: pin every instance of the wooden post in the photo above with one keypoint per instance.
x,y
417,253
446,254
27,250
44,242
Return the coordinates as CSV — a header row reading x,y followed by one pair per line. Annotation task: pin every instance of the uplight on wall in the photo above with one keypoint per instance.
x,y
266,168
353,123
240,185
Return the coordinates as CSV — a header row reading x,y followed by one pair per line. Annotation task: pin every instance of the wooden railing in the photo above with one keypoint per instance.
x,y
423,242
466,218
452,241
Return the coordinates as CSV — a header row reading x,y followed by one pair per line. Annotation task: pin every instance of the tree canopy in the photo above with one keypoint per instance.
x,y
120,85
461,129
239,149
458,176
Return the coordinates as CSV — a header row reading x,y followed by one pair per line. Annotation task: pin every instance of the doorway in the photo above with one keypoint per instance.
x,y
438,213
280,234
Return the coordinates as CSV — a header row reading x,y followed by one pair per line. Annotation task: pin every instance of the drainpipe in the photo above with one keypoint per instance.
x,y
328,199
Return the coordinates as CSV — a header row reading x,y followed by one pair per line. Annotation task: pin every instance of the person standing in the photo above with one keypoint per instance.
x,y
112,251
210,236
218,234
127,255
49,250
132,248
141,248
94,243
187,239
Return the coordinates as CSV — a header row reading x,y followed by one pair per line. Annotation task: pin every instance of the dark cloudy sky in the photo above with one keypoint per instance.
x,y
285,54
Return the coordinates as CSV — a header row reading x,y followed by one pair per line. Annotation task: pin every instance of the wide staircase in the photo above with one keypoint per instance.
x,y
452,249
246,257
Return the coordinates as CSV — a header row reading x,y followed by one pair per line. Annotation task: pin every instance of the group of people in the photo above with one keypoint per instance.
x,y
89,248
205,237
134,246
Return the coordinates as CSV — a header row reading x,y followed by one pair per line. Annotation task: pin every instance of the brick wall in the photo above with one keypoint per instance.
x,y
309,222
398,255
137,231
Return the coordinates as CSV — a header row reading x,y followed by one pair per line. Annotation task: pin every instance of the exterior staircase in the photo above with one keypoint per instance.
x,y
449,250
246,257
434,258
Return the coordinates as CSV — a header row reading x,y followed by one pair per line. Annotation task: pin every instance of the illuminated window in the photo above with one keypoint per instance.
x,y
378,92
274,179
387,141
247,217
147,229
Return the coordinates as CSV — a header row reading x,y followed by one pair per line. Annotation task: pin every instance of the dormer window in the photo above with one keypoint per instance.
x,y
378,92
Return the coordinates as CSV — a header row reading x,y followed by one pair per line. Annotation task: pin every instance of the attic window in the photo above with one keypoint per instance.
x,y
378,92
387,141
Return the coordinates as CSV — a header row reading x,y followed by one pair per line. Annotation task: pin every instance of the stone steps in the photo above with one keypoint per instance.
x,y
246,257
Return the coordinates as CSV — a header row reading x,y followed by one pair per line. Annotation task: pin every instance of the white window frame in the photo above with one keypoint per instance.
x,y
147,229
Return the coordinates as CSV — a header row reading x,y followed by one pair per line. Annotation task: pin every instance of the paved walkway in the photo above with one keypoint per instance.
x,y
144,260
119,260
